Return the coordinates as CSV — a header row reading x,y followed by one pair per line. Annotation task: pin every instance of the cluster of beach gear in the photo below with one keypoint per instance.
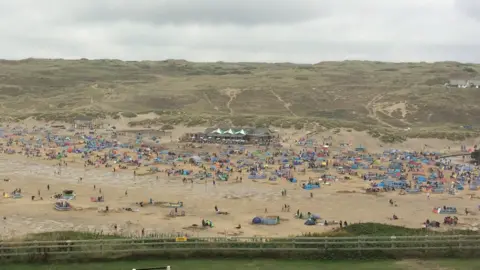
x,y
310,218
268,220
16,194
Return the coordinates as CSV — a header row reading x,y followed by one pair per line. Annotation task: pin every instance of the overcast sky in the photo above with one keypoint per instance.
x,y
304,31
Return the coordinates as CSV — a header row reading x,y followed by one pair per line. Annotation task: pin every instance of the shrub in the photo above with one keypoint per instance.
x,y
299,125
167,127
469,70
129,114
197,121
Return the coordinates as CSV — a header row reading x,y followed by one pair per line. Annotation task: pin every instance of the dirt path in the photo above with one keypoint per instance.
x,y
372,110
232,93
287,105
210,102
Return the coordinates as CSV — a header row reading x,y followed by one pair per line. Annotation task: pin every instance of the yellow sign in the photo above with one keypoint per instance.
x,y
181,239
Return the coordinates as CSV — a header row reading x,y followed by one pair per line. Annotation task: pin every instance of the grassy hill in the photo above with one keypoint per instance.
x,y
389,95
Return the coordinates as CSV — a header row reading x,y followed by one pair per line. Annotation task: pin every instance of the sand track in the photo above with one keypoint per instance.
x,y
285,104
232,93
372,111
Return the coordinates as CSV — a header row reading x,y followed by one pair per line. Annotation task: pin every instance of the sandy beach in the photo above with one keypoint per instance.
x,y
341,199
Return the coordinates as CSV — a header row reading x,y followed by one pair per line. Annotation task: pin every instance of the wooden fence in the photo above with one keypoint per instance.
x,y
108,248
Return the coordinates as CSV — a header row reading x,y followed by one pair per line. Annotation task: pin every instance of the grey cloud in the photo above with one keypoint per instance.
x,y
469,7
246,12
306,31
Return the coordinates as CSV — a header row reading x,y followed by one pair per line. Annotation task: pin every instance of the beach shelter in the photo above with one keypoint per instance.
x,y
217,131
230,131
240,132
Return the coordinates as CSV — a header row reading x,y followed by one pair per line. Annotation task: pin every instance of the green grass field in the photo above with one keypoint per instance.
x,y
262,264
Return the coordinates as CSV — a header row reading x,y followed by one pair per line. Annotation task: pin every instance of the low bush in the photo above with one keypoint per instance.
x,y
378,229
167,127
129,114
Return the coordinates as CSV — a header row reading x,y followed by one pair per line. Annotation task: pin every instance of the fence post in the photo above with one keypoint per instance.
x,y
393,238
359,245
426,245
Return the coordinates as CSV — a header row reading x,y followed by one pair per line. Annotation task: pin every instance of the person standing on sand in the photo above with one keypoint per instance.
x,y
48,187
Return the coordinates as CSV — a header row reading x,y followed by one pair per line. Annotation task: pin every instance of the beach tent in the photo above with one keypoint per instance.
x,y
421,179
230,131
217,131
360,148
257,220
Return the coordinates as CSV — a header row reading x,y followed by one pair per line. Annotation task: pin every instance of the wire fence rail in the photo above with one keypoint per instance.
x,y
103,248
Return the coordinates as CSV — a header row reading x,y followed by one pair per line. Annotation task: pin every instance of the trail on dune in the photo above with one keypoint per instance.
x,y
210,102
232,98
287,105
372,110
232,94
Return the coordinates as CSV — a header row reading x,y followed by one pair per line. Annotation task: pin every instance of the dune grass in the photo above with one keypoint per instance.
x,y
358,229
366,93
62,251
378,229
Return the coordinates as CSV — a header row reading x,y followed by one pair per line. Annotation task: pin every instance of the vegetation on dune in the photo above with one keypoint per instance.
x,y
369,95
352,230
78,235
475,155
326,245
166,119
378,229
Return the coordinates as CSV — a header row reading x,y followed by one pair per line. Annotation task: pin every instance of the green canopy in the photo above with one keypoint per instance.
x,y
241,132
